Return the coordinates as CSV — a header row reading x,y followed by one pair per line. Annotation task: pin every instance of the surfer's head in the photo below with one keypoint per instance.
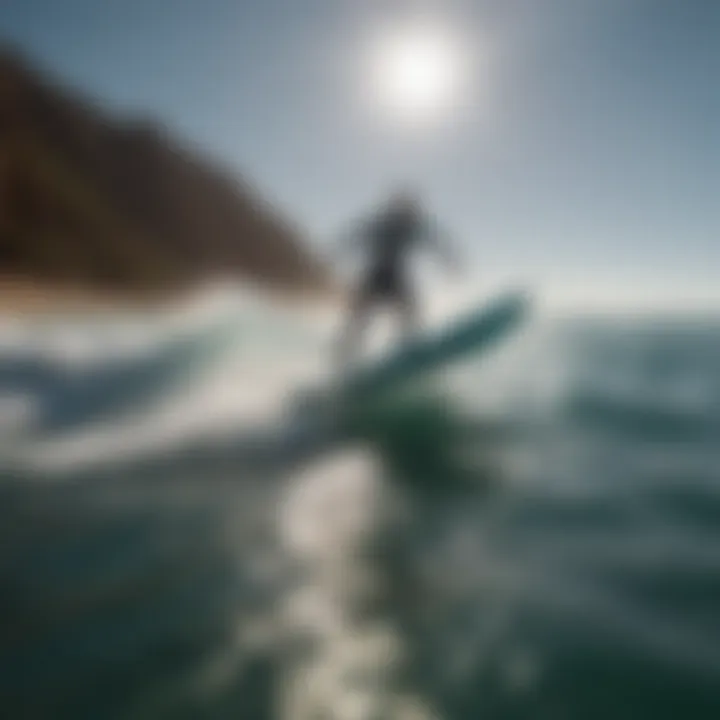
x,y
405,202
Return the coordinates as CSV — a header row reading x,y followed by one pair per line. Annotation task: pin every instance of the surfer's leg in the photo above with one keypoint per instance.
x,y
352,335
409,317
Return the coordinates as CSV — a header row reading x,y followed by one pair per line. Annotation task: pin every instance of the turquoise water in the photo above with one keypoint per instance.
x,y
536,537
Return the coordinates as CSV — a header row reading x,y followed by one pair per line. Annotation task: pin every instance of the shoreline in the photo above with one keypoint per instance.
x,y
27,297
24,297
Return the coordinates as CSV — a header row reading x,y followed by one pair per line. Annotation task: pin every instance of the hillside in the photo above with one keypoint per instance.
x,y
90,200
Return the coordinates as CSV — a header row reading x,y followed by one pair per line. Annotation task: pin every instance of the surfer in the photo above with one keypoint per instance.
x,y
389,237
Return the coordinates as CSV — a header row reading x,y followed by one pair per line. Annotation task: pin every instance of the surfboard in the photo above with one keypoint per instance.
x,y
474,333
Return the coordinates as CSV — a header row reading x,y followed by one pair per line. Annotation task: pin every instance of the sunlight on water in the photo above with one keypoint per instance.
x,y
336,513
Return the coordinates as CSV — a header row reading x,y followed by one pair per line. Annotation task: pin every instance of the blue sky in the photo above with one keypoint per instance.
x,y
590,140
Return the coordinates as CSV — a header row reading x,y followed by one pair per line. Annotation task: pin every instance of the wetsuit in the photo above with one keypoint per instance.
x,y
390,238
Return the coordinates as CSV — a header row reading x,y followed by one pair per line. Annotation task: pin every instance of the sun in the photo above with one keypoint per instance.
x,y
416,74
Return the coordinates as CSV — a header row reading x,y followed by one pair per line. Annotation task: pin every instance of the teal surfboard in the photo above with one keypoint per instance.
x,y
318,419
476,332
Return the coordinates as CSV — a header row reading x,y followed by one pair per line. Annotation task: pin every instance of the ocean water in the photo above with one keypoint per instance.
x,y
535,534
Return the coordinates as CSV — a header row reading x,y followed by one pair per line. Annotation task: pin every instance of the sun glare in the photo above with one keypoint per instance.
x,y
416,74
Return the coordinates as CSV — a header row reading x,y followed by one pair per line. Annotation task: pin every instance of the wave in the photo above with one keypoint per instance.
x,y
538,559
